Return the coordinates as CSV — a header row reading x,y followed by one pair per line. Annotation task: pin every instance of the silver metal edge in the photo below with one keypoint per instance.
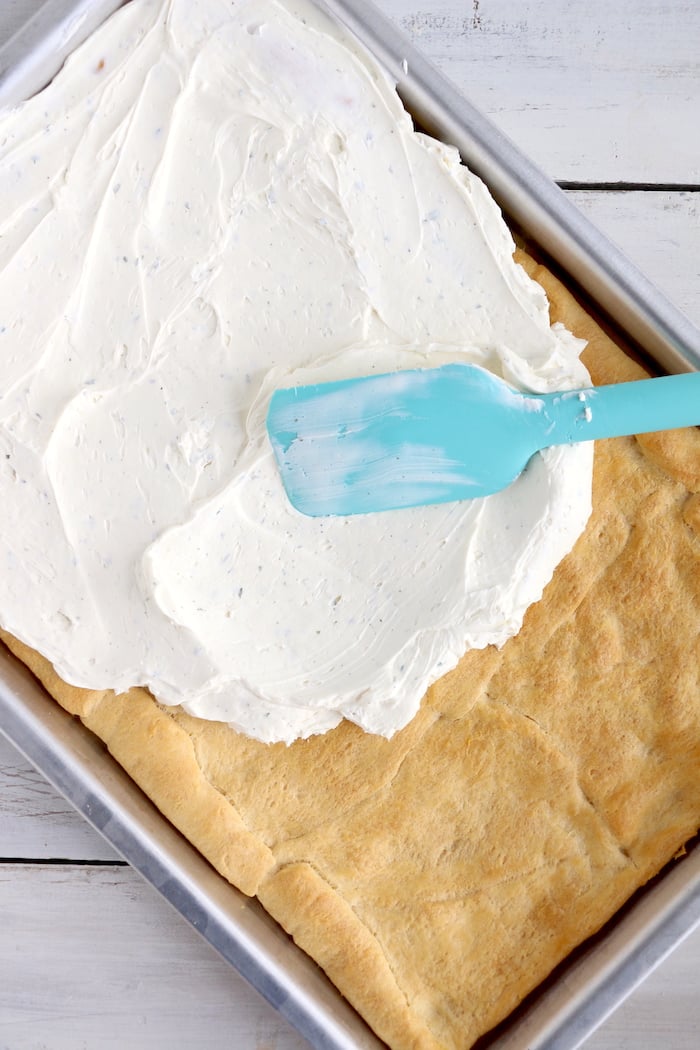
x,y
589,987
236,926
36,52
535,203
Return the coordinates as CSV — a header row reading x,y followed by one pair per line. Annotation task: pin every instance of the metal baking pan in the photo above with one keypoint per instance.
x,y
588,986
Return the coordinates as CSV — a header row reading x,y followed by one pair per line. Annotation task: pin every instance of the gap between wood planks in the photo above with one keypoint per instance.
x,y
65,862
630,187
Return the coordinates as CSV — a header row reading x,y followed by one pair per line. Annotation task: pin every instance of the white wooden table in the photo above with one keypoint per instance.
x,y
606,98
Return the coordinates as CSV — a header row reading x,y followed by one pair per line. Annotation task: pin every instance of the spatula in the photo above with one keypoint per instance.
x,y
434,435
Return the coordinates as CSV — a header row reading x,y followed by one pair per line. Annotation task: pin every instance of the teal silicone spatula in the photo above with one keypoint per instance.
x,y
435,435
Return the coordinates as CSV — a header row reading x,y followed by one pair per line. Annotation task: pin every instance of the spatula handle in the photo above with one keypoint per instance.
x,y
623,408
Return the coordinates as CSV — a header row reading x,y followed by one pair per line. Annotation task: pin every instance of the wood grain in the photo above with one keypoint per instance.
x,y
593,92
105,963
659,231
36,822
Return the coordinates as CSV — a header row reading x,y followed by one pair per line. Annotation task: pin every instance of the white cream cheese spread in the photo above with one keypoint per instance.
x,y
211,199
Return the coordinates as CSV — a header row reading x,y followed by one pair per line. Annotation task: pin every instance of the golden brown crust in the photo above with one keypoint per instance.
x,y
440,876
327,927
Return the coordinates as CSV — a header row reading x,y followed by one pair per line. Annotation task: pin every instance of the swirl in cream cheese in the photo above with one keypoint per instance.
x,y
208,201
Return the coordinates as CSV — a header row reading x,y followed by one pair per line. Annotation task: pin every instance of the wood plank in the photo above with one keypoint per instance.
x,y
92,957
659,232
99,960
594,92
36,822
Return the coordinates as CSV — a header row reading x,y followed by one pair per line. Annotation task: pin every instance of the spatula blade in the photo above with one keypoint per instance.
x,y
395,440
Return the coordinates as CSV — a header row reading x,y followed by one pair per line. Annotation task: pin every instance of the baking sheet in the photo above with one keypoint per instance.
x,y
594,980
